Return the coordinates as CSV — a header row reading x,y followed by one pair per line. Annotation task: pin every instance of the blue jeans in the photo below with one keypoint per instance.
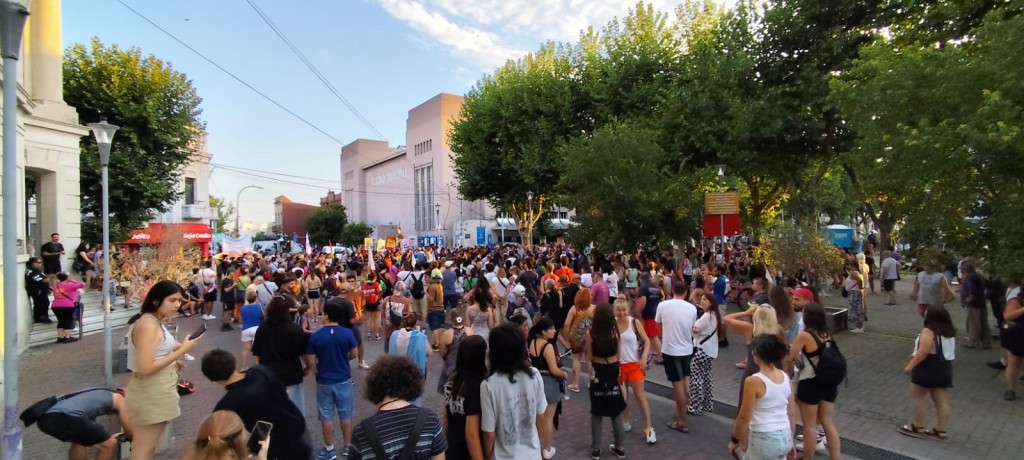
x,y
334,398
769,445
297,396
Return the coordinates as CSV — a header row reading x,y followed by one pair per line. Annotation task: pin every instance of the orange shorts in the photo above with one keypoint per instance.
x,y
631,372
651,328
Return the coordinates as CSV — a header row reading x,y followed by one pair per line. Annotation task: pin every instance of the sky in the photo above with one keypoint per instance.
x,y
383,57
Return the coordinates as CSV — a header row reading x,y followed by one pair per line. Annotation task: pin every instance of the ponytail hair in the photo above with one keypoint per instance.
x,y
221,436
155,297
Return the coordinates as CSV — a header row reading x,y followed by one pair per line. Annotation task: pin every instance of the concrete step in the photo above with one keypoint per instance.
x,y
92,319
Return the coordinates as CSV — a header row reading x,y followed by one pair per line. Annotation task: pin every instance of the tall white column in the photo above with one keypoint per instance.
x,y
46,48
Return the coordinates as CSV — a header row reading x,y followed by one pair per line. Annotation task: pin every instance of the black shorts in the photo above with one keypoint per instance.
x,y
51,268
810,391
229,306
677,368
888,285
372,307
68,428
313,294
210,296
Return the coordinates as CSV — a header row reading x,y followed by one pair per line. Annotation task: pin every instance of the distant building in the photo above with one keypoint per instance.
x,y
331,198
290,217
414,187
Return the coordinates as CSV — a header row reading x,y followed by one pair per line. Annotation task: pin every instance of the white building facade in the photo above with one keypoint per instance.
x,y
194,184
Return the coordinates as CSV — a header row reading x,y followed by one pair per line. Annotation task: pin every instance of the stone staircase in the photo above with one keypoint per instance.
x,y
92,320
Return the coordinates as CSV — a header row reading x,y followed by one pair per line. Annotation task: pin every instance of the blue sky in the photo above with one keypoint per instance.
x,y
383,56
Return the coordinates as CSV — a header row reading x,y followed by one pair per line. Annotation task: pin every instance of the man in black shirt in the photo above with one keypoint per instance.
x,y
38,290
52,252
528,278
256,395
280,345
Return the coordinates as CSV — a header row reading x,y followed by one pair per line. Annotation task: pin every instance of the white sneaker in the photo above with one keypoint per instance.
x,y
859,330
363,365
818,448
651,438
208,317
626,426
548,454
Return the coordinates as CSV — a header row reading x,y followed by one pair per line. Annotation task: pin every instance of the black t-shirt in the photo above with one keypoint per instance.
x,y
281,347
458,407
653,295
53,248
261,396
348,312
569,296
228,295
529,280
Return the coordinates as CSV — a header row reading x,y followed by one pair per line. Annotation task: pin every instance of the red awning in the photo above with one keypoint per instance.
x,y
189,232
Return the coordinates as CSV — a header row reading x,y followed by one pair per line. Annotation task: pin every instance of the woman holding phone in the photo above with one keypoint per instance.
x,y
152,391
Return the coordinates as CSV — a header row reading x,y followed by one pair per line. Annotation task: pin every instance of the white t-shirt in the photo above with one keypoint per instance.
x,y
890,268
677,318
948,346
208,280
613,284
1012,293
707,326
265,292
509,410
586,280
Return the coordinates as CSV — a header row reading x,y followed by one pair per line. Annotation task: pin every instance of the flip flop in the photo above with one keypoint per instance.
x,y
674,425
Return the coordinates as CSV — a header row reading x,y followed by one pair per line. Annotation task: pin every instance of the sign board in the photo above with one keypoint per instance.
x,y
480,231
380,245
713,225
440,240
717,203
368,244
391,243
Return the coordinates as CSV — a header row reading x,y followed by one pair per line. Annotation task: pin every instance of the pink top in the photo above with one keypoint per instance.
x,y
65,293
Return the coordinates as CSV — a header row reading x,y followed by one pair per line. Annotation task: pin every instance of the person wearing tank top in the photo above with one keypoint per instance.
x,y
930,288
448,346
153,354
815,399
763,428
634,348
543,357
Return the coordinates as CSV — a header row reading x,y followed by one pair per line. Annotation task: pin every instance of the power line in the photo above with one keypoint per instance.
x,y
313,68
268,98
247,170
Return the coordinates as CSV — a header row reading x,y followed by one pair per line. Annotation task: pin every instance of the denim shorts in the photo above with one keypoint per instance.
x,y
769,445
334,398
435,320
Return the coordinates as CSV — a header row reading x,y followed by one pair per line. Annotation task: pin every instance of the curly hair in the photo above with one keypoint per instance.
x,y
393,377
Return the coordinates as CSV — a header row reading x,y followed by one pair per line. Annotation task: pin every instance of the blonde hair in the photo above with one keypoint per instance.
x,y
622,302
221,436
251,295
765,320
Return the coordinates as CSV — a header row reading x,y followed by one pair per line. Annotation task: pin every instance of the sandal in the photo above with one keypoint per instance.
x,y
674,425
911,430
574,388
937,435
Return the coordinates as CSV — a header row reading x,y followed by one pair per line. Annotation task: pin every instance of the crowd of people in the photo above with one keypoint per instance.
x,y
501,320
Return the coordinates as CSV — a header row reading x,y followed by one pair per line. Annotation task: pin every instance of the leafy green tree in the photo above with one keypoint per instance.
x,y
961,156
158,111
225,209
624,192
264,236
354,233
325,225
512,123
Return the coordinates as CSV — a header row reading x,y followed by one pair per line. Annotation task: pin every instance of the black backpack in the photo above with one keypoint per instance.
x,y
417,286
831,367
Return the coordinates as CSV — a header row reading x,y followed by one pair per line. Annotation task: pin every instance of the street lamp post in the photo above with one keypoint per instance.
x,y
104,133
721,217
437,222
12,25
238,208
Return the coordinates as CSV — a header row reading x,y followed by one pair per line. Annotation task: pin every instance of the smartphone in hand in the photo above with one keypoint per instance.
x,y
199,331
260,432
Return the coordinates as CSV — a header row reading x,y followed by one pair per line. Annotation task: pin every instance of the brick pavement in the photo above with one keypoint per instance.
x,y
81,366
870,407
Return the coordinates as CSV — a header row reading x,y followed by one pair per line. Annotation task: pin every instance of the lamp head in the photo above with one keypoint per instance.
x,y
721,172
103,131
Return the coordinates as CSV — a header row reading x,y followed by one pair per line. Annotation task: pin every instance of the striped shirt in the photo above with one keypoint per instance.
x,y
393,428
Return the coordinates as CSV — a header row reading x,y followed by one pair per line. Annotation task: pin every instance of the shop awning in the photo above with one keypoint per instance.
x,y
155,233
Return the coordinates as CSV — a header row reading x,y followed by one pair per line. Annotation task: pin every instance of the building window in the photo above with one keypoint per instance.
x,y
423,147
190,190
423,187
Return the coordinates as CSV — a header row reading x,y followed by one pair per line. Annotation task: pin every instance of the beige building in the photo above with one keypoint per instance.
x,y
194,183
412,186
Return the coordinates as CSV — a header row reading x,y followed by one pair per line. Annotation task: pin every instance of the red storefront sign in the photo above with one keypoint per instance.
x,y
713,225
189,232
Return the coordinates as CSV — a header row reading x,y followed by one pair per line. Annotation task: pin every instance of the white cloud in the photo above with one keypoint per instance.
x,y
487,32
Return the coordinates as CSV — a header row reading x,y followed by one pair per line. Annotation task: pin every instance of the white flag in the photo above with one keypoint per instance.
x,y
309,249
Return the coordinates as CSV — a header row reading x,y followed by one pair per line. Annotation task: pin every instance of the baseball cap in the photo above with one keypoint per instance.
x,y
448,263
804,293
519,290
436,273
345,288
